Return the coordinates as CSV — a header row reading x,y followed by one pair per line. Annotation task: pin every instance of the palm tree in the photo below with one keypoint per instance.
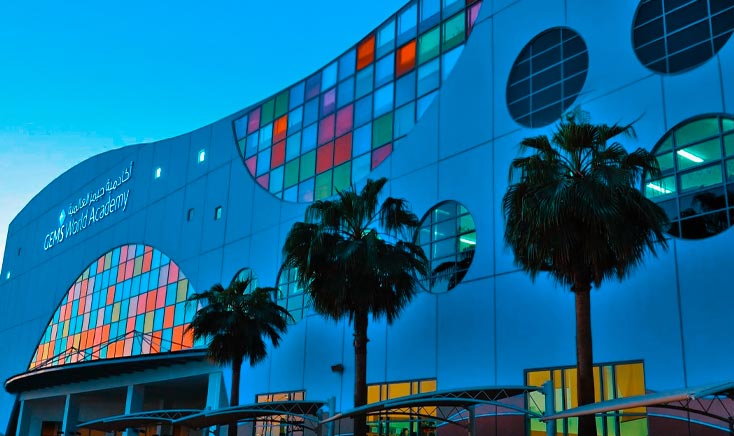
x,y
574,210
237,323
352,271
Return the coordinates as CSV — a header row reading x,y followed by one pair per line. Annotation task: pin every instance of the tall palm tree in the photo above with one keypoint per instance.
x,y
575,211
350,270
237,323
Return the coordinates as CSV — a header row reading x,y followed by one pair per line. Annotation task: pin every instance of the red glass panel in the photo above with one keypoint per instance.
x,y
160,297
168,317
142,300
280,128
150,303
380,154
343,149
147,257
344,119
253,122
366,52
172,272
326,129
121,273
100,264
325,157
264,180
188,338
277,155
251,164
123,253
111,295
405,58
129,268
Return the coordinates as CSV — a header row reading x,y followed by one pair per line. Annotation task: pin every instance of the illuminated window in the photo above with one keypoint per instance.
x,y
696,187
217,213
190,214
393,423
381,85
290,295
611,381
547,77
673,36
157,173
129,302
202,156
7,275
448,237
280,424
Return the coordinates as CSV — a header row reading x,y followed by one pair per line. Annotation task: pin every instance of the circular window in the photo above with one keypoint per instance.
x,y
290,295
696,187
673,36
547,77
448,237
246,274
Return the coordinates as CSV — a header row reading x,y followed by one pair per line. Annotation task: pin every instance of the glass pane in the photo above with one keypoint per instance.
x,y
382,130
729,144
430,12
730,170
404,119
699,154
660,189
347,64
453,32
383,99
428,77
449,60
345,92
701,178
328,76
384,70
363,111
428,45
386,38
407,23
696,131
366,52
364,81
666,162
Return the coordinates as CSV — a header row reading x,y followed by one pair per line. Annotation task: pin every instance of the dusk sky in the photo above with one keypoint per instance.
x,y
81,77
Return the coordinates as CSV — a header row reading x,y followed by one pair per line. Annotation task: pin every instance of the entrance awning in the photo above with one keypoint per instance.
x,y
136,420
689,399
308,410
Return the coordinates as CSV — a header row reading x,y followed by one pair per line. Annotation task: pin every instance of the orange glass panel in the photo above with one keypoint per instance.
x,y
280,127
405,58
366,52
168,317
151,301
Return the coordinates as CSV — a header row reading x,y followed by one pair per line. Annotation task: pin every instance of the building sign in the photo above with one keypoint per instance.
x,y
91,208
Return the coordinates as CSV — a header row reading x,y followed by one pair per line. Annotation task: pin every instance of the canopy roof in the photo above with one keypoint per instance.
x,y
135,420
678,399
307,410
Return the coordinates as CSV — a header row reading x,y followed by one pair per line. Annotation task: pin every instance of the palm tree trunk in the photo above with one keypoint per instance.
x,y
584,359
235,394
360,369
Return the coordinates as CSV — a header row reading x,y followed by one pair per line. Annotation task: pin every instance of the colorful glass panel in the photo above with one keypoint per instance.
x,y
360,105
130,301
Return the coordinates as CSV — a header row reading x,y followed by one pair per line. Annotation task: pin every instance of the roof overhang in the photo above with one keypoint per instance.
x,y
652,399
96,369
136,420
308,410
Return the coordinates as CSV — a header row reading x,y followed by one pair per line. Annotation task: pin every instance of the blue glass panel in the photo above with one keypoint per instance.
x,y
293,146
361,167
296,95
328,76
347,64
158,320
449,60
308,139
291,194
276,179
295,119
407,21
385,39
266,136
345,92
384,100
430,13
428,77
156,259
305,190
171,294
363,111
364,81
313,86
404,119
263,162
362,140
311,112
424,102
385,69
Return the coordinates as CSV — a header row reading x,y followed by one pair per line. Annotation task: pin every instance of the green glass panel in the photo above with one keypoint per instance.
x,y
323,185
382,130
660,189
699,154
281,104
428,45
727,124
242,142
701,178
666,162
308,165
696,131
465,224
729,145
342,177
468,241
291,172
666,145
730,169
453,32
266,113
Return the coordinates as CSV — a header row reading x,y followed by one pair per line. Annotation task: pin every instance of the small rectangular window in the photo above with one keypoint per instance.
x,y
157,173
217,213
190,214
202,155
7,275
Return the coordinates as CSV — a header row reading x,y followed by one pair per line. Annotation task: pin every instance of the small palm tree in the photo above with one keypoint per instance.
x,y
237,323
574,210
352,271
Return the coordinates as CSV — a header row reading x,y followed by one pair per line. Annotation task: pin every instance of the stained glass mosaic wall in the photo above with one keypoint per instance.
x,y
342,122
130,301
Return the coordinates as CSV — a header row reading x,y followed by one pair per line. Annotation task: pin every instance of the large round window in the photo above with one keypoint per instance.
x,y
547,77
697,184
672,36
448,237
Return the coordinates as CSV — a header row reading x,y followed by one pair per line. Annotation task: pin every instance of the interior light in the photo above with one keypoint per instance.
x,y
468,241
158,173
202,155
658,188
7,276
690,156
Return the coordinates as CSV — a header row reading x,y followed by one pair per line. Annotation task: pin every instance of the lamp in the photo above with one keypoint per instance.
x,y
338,367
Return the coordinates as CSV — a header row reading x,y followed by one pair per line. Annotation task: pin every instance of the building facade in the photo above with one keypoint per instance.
x,y
99,264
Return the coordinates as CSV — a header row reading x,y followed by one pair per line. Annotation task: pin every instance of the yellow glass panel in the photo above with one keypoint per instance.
x,y
138,266
299,396
373,394
107,260
537,378
428,386
557,379
597,383
181,290
571,388
397,390
608,382
383,392
630,382
280,397
262,399
148,324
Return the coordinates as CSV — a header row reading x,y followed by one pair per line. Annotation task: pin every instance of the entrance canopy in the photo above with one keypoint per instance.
x,y
135,420
306,410
447,404
708,400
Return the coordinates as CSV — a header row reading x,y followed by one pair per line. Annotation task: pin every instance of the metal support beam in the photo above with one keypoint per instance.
x,y
550,407
133,404
71,415
473,420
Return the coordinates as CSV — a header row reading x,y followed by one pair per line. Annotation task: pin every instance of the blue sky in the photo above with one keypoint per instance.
x,y
81,77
